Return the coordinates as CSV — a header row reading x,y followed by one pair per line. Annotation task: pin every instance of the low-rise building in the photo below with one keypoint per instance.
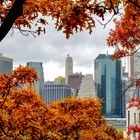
x,y
132,121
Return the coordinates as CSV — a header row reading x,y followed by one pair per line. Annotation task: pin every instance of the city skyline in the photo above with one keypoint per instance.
x,y
51,49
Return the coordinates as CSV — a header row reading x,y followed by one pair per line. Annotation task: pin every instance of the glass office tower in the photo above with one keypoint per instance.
x,y
39,69
108,84
6,64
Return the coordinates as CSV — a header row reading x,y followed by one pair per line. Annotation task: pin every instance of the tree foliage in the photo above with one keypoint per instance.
x,y
19,105
30,16
80,119
126,34
24,115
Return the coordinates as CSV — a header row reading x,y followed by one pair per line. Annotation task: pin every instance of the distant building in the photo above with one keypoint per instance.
x,y
87,87
134,66
117,123
134,74
108,84
39,69
74,81
132,119
68,68
125,94
55,92
6,64
133,112
59,80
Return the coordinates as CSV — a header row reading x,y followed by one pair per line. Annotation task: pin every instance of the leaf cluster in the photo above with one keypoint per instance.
x,y
126,34
24,115
69,15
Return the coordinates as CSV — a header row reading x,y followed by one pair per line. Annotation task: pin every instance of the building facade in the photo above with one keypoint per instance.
x,y
134,74
38,66
87,87
108,84
125,94
55,92
6,64
74,81
132,107
68,68
134,66
132,120
117,123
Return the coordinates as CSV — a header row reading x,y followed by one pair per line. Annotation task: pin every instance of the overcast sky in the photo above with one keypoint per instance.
x,y
52,49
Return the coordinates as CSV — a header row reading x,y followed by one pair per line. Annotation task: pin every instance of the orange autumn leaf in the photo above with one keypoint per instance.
x,y
24,115
69,15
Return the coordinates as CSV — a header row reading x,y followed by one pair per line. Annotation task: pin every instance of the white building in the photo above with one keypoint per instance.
x,y
87,87
134,66
133,113
132,119
134,74
68,68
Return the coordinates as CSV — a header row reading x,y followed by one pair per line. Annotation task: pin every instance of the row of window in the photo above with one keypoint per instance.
x,y
136,117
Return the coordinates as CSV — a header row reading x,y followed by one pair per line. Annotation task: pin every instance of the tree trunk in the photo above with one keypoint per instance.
x,y
13,14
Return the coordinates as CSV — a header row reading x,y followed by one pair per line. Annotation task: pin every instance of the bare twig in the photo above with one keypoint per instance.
x,y
24,32
104,24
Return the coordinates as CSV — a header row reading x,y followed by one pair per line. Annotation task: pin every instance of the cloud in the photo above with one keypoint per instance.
x,y
52,48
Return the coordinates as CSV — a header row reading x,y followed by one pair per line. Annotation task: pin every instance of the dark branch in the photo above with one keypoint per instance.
x,y
27,32
132,83
104,24
115,12
135,3
13,14
132,53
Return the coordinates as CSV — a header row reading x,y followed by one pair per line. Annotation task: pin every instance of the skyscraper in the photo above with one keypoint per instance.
x,y
54,92
134,74
108,84
6,64
39,69
68,68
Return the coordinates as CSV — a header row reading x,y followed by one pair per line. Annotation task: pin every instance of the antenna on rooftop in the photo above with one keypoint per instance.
x,y
107,53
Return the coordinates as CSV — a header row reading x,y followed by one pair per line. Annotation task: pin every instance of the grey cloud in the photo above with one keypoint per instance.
x,y
53,46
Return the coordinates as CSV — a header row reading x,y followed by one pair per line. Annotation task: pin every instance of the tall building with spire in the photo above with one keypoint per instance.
x,y
68,68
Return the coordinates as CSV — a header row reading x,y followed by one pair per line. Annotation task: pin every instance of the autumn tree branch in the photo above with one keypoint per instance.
x,y
135,3
13,14
2,129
